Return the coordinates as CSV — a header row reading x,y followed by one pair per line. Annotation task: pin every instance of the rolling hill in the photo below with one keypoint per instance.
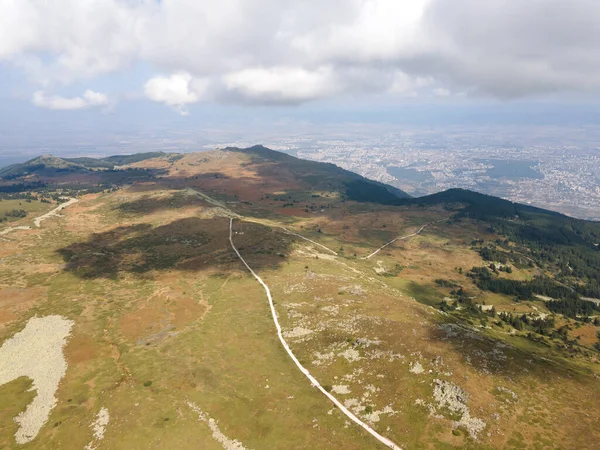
x,y
53,166
245,298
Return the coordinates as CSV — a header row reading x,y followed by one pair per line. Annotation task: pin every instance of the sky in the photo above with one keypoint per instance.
x,y
105,65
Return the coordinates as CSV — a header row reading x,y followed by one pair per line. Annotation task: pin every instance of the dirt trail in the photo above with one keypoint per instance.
x,y
402,238
38,220
394,240
11,229
307,239
54,213
312,379
231,214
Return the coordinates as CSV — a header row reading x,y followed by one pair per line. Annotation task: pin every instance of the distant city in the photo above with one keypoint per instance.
x,y
563,178
559,178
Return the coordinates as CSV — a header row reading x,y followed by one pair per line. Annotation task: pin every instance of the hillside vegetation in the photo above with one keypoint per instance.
x,y
452,321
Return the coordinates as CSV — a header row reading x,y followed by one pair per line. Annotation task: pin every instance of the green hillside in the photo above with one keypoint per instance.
x,y
52,166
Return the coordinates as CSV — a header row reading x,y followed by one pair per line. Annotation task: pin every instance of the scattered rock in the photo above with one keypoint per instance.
x,y
99,427
297,332
355,289
340,389
416,368
226,443
448,395
350,354
36,352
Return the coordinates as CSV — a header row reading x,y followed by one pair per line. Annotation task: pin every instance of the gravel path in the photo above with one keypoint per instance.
x,y
36,352
307,239
312,379
11,229
54,213
38,220
402,238
231,214
394,240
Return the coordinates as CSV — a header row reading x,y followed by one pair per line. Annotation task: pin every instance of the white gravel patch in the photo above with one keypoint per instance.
x,y
380,268
388,355
297,332
300,287
36,352
507,391
323,358
359,406
375,416
448,395
350,354
366,342
355,289
329,353
99,427
355,376
416,368
453,330
333,309
340,389
226,443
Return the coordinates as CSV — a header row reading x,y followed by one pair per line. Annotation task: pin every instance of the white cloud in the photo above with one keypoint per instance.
x,y
377,30
282,84
87,100
95,98
404,84
77,39
176,91
441,92
284,51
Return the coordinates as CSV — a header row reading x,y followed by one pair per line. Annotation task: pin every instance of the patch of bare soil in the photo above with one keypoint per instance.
x,y
14,299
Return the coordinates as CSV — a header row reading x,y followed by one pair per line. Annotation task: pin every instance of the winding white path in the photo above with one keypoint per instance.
x,y
312,379
11,229
402,238
309,240
54,213
38,220
235,215
394,240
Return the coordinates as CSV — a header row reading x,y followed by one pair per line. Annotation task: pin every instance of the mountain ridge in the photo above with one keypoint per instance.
x,y
359,188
